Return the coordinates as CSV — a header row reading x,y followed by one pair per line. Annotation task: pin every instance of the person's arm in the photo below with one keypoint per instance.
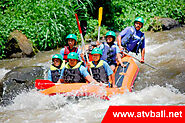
x,y
91,80
119,42
113,80
119,59
61,80
142,55
86,75
143,50
118,55
110,73
49,75
124,37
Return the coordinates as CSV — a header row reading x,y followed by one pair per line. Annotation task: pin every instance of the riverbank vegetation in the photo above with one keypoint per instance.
x,y
47,22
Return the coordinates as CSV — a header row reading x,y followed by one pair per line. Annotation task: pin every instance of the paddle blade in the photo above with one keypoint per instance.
x,y
79,28
100,15
43,84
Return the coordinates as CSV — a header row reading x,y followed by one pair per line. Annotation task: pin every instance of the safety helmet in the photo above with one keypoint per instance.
x,y
139,19
72,36
96,51
72,55
57,56
111,33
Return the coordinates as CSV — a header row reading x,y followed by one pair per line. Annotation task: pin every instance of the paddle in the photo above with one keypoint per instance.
x,y
83,44
44,84
139,60
99,21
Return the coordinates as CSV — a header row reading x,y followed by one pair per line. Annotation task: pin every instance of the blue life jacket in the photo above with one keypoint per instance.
x,y
109,53
99,73
133,41
55,72
73,75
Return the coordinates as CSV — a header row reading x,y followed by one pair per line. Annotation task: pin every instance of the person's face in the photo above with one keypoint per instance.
x,y
73,62
138,25
71,42
109,38
96,57
56,62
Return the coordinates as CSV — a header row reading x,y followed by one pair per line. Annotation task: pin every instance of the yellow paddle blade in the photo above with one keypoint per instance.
x,y
100,15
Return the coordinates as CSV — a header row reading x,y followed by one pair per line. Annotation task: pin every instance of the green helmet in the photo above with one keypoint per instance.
x,y
96,51
72,36
57,56
139,19
72,55
112,33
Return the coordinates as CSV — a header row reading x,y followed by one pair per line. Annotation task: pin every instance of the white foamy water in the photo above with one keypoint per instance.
x,y
35,107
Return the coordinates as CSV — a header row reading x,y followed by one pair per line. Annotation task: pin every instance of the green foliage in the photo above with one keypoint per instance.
x,y
92,32
45,22
124,12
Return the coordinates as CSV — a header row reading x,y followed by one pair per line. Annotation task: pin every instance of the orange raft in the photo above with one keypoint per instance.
x,y
124,78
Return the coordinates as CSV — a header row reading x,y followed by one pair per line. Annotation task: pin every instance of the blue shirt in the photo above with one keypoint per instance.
x,y
131,37
78,52
106,67
82,70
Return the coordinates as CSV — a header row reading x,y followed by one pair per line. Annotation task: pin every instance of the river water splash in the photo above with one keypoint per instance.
x,y
164,50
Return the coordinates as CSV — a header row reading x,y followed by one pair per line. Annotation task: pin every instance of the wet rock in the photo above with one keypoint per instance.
x,y
160,24
19,46
17,80
168,23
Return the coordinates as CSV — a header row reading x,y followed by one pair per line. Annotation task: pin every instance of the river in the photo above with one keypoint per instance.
x,y
164,50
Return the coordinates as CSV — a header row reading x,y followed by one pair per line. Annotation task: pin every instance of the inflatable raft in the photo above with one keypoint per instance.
x,y
124,78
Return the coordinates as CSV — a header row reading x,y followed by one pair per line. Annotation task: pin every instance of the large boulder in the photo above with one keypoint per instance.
x,y
18,45
17,80
168,23
160,24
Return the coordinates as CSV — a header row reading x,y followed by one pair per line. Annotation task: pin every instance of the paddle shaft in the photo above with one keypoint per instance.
x,y
139,61
99,34
83,44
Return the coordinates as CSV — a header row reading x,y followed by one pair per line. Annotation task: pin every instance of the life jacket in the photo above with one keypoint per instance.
x,y
99,73
67,51
135,37
109,53
73,75
55,72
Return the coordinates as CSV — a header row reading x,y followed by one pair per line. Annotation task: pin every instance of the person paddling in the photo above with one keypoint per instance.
x,y
111,51
71,41
131,39
74,71
56,67
100,69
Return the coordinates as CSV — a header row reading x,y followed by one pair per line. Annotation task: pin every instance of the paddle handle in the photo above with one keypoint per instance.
x,y
83,44
78,23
